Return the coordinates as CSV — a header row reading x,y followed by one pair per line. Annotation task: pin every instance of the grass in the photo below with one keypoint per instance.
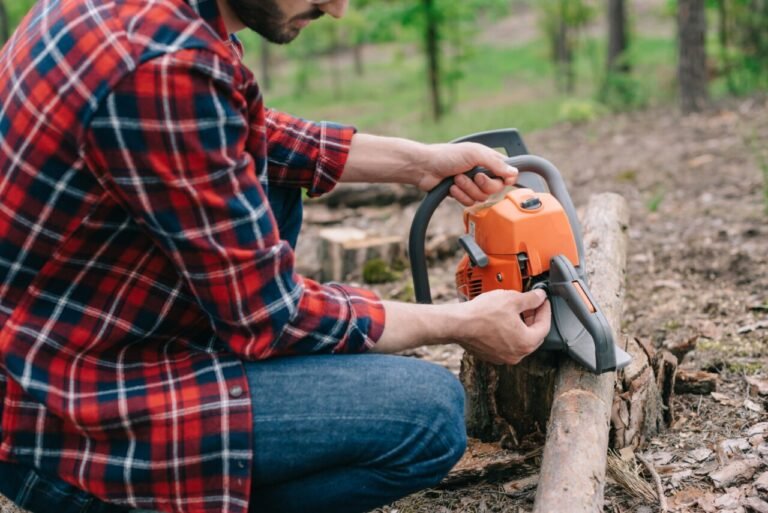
x,y
502,87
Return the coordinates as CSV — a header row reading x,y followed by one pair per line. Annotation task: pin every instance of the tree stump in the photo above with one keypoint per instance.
x,y
343,252
550,392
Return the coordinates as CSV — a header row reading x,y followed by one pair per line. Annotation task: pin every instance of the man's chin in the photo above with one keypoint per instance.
x,y
283,37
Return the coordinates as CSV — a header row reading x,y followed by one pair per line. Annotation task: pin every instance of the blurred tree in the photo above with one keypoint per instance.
x,y
432,48
5,24
618,39
561,21
692,60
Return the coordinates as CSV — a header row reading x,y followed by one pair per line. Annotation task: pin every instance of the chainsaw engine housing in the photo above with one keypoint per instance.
x,y
519,234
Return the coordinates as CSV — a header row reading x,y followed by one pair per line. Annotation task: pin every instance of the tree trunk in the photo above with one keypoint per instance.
x,y
357,53
692,65
432,44
617,37
266,78
5,24
566,76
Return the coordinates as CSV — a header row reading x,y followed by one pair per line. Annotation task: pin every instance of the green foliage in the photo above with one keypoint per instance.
x,y
623,91
17,9
579,111
743,40
654,202
378,271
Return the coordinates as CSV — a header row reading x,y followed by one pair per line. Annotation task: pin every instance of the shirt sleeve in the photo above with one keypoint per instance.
x,y
306,154
169,143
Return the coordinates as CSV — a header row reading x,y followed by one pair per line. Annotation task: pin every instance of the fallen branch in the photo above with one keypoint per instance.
x,y
657,480
573,469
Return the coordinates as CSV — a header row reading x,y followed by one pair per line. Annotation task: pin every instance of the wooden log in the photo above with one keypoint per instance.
x,y
695,382
354,195
572,476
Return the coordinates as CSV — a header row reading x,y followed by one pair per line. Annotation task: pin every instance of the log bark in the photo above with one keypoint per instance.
x,y
572,476
695,382
642,395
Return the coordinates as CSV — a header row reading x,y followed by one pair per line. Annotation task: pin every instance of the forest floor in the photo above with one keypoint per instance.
x,y
697,276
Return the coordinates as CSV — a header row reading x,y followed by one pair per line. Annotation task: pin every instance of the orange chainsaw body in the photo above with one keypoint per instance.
x,y
520,234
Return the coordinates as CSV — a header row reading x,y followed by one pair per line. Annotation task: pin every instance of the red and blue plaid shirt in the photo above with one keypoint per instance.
x,y
140,263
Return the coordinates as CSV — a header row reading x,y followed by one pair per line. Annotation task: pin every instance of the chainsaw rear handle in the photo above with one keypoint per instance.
x,y
600,353
524,163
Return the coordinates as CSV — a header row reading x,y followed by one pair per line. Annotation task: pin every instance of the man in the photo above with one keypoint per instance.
x,y
158,350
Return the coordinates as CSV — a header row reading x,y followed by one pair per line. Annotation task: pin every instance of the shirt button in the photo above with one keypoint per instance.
x,y
236,391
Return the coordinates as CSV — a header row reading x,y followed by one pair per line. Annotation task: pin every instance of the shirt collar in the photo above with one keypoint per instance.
x,y
208,10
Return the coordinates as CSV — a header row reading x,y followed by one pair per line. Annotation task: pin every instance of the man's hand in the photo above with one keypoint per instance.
x,y
374,159
500,326
506,326
444,160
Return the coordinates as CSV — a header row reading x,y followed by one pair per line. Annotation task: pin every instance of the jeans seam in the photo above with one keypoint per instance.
x,y
29,484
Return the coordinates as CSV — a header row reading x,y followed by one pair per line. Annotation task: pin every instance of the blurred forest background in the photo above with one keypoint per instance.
x,y
436,69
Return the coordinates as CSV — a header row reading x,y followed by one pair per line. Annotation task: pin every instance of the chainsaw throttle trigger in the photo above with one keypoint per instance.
x,y
476,254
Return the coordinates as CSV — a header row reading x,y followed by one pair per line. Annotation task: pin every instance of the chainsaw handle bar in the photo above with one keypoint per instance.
x,y
524,163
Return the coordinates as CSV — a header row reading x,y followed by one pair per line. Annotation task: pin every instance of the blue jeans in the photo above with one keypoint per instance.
x,y
332,433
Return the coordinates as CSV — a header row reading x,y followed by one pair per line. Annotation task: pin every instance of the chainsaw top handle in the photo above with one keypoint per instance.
x,y
525,164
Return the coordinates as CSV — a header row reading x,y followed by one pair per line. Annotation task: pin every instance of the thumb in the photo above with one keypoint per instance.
x,y
531,300
501,170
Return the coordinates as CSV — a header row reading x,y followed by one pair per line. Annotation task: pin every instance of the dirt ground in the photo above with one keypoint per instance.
x,y
697,274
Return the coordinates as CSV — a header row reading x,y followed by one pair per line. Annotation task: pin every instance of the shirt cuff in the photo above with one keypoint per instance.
x,y
367,319
335,143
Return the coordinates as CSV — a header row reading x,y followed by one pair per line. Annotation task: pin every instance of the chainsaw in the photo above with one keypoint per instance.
x,y
530,239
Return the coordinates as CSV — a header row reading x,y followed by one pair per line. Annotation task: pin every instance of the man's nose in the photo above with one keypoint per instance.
x,y
335,8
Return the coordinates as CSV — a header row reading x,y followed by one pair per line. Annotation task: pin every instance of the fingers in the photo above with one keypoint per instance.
x,y
530,300
476,190
482,186
460,196
507,174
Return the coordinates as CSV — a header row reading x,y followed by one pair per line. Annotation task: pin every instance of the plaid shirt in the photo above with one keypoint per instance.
x,y
140,263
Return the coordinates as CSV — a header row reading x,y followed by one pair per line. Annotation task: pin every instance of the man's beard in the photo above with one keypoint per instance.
x,y
266,18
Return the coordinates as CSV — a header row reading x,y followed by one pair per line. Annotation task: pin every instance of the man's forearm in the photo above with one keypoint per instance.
x,y
411,325
374,159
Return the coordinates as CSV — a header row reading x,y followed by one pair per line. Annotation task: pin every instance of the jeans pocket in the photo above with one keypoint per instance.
x,y
43,494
